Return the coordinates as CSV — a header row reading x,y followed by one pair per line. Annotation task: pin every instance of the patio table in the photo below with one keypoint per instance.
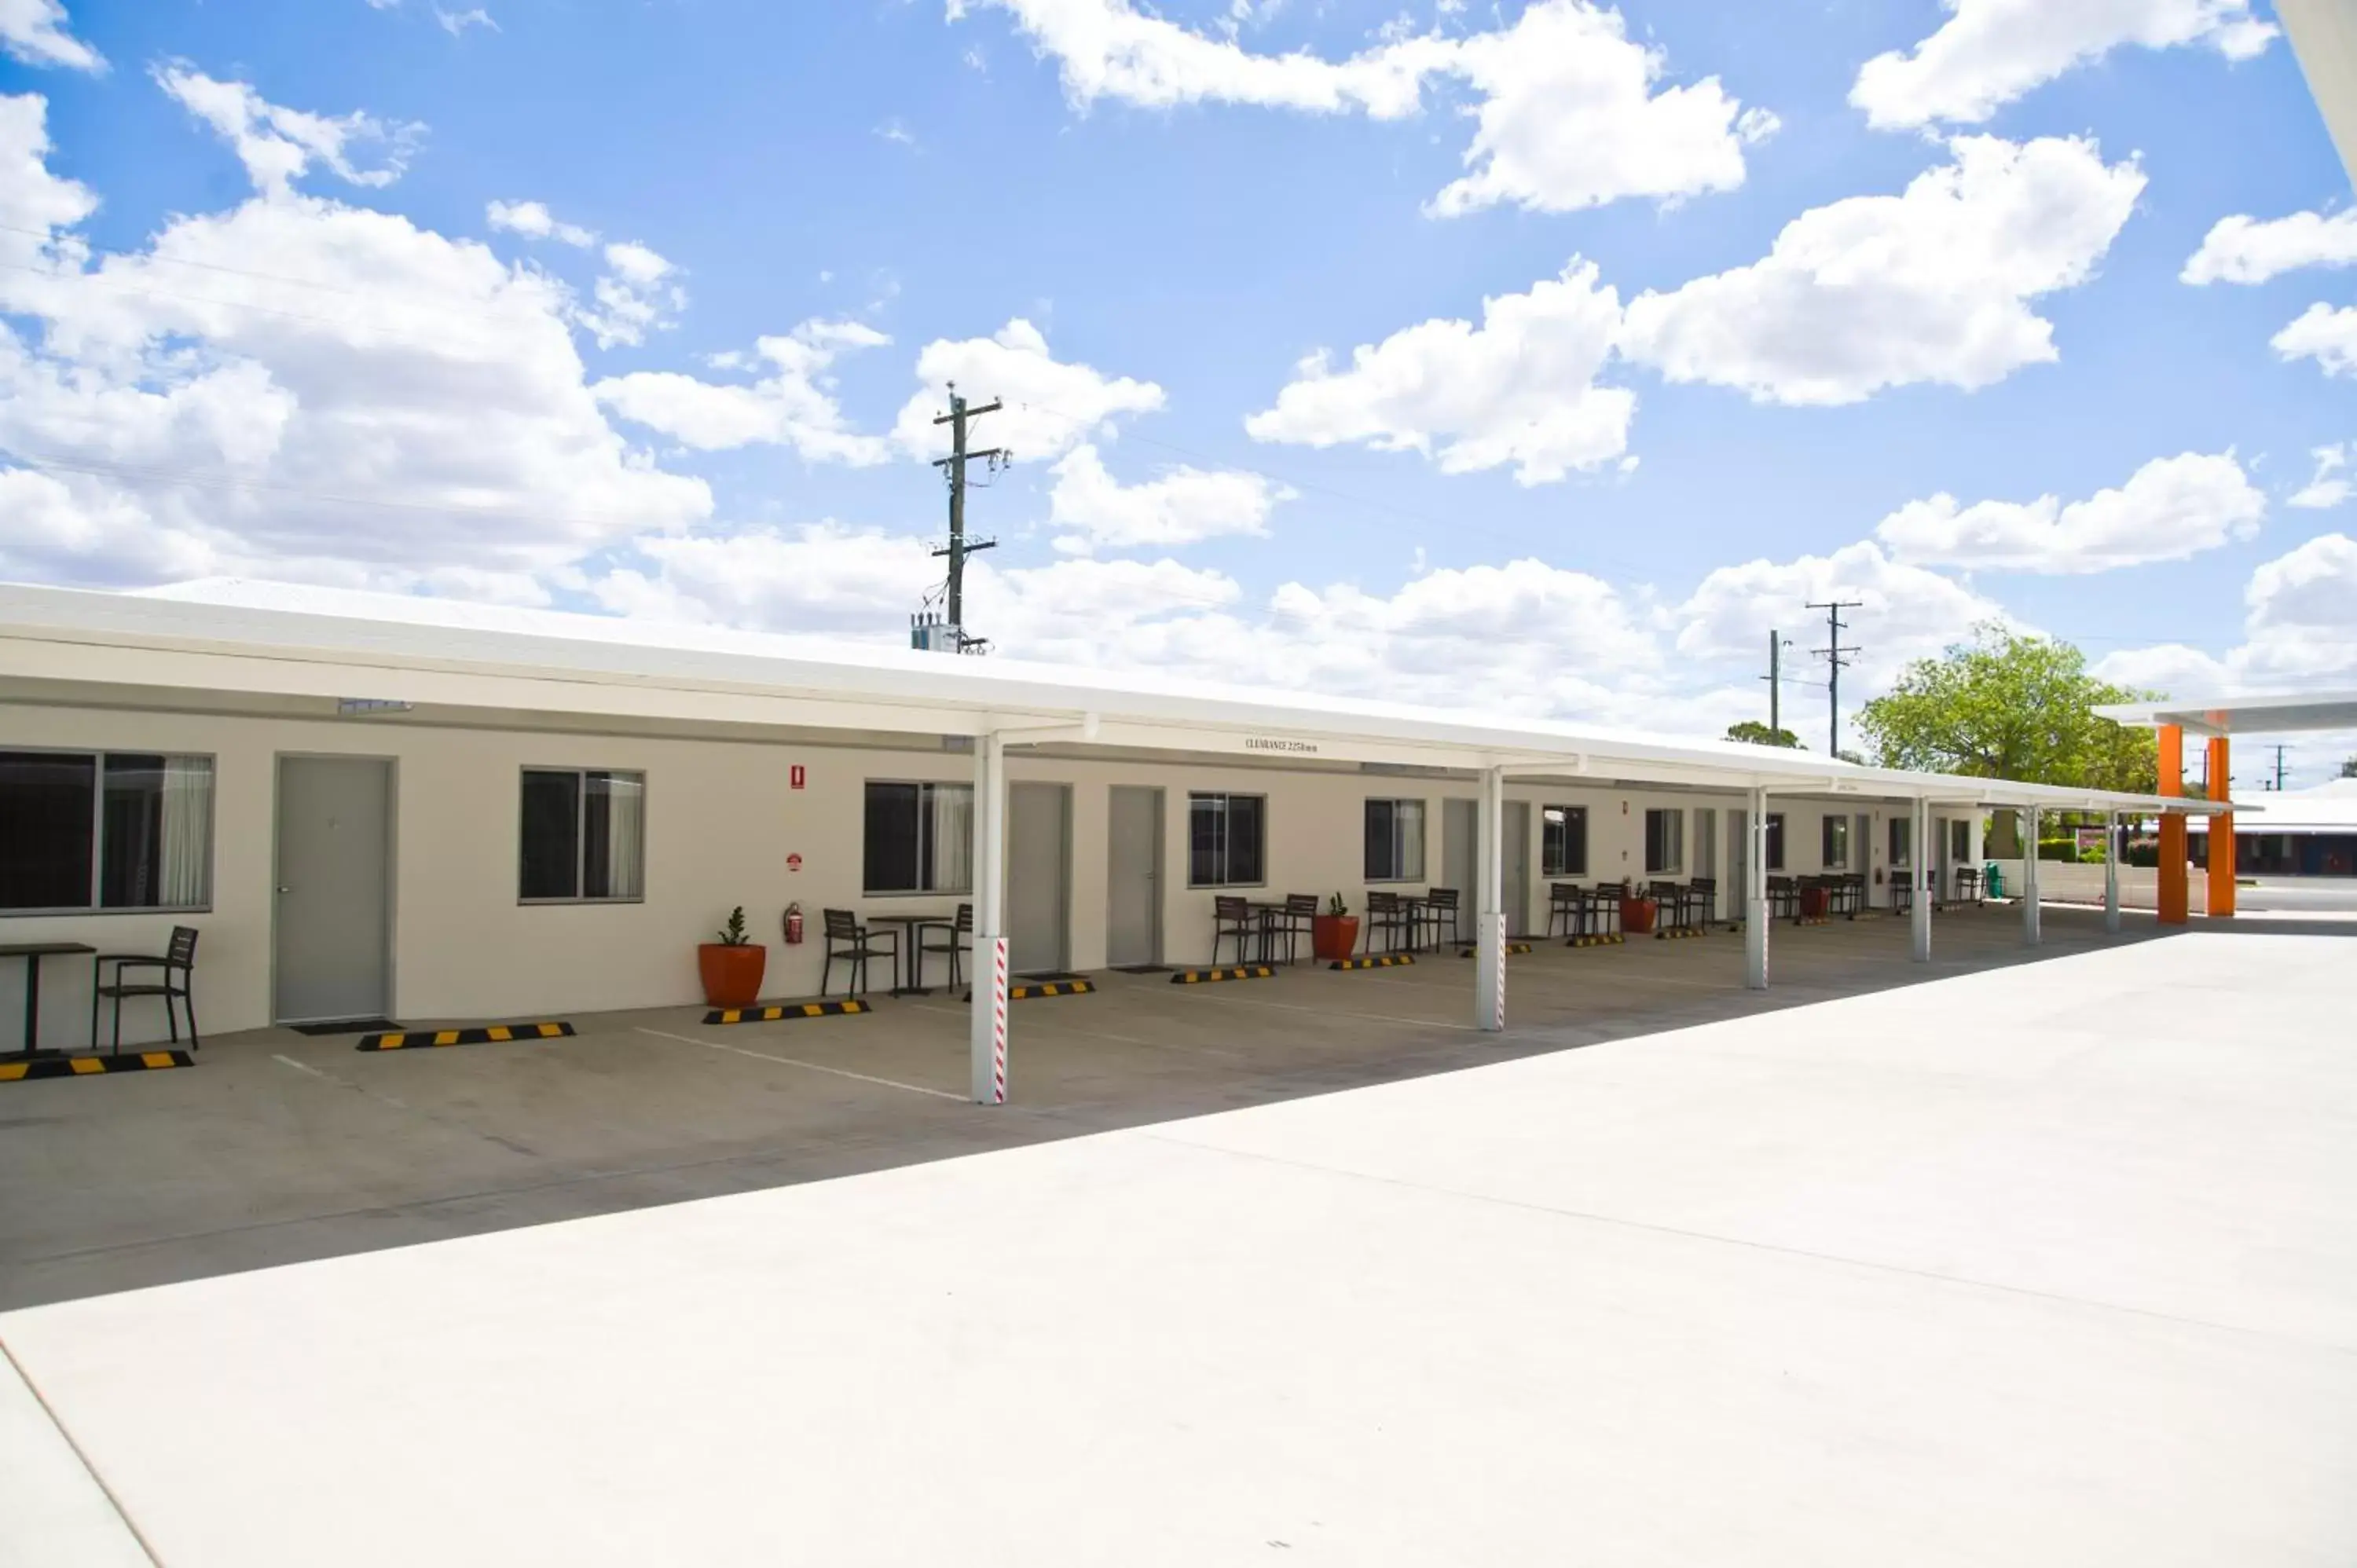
x,y
906,951
1265,913
32,954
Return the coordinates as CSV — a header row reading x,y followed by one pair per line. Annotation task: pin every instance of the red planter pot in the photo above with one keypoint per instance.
x,y
1637,916
1815,903
732,976
1334,936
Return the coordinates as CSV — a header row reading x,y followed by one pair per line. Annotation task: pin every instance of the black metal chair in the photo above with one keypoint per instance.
x,y
1565,903
1232,918
1784,898
180,958
1705,890
1675,902
1604,909
1968,884
1293,922
847,940
1434,918
1387,915
957,937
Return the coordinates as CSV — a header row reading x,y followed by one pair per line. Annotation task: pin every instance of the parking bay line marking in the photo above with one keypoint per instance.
x,y
813,1067
1090,1031
1331,1012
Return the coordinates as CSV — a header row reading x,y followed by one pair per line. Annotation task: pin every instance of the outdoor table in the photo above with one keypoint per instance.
x,y
1415,909
906,950
1264,913
32,954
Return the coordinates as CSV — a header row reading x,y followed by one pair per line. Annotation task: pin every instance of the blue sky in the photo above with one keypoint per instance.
x,y
640,307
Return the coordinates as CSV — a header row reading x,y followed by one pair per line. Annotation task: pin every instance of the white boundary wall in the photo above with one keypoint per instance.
x,y
721,822
2060,882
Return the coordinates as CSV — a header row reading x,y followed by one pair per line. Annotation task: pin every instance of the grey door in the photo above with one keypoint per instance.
x,y
1460,849
1038,877
1706,857
1134,877
332,924
1518,867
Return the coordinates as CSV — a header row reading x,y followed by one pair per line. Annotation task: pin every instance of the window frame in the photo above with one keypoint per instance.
x,y
1834,822
1773,852
1676,864
1400,874
924,832
581,833
1902,855
98,755
1223,796
1566,868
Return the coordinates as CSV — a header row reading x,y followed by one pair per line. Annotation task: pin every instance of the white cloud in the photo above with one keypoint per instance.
x,y
2329,486
2168,509
2243,250
793,406
1520,388
2300,628
1569,112
1180,506
456,22
31,197
639,294
1906,613
1933,284
297,389
533,221
1052,406
2323,334
34,32
1990,53
276,144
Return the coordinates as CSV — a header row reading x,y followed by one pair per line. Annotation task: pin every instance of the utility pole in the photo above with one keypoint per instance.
x,y
2281,749
1776,643
954,469
1836,659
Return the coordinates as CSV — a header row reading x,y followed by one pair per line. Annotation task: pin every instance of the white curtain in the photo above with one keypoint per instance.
x,y
626,835
953,833
1408,822
186,854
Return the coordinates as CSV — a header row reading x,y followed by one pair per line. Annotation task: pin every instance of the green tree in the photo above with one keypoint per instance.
x,y
1757,733
2349,769
2009,706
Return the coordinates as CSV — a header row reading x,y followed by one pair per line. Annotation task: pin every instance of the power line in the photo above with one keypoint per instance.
x,y
1835,655
959,548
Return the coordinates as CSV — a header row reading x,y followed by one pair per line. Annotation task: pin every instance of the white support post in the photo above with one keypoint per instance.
x,y
2111,872
1489,954
2030,935
986,1024
1919,876
1754,895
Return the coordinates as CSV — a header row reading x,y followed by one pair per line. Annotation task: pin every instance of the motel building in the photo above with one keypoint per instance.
x,y
374,806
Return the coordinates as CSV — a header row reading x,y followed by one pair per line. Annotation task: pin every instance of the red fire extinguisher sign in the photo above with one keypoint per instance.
x,y
795,777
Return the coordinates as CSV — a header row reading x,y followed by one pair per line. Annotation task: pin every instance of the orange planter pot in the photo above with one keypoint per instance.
x,y
1334,936
732,976
1637,916
1815,903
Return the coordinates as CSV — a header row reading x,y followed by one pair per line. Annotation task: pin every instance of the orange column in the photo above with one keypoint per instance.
x,y
2175,896
2222,835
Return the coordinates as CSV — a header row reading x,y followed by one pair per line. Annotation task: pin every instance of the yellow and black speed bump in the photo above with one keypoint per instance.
x,y
779,1013
1030,988
1380,961
91,1066
1511,948
1669,934
481,1035
1205,976
1608,939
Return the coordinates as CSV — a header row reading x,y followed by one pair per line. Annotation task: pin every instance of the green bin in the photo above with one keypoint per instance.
x,y
1992,876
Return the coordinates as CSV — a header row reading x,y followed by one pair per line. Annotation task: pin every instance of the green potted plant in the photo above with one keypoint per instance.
x,y
732,966
1335,933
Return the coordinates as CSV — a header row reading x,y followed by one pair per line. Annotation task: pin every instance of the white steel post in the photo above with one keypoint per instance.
x,y
1489,952
987,1023
2111,872
1919,876
1754,895
2030,876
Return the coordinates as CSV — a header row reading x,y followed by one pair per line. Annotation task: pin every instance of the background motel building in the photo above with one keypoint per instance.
x,y
372,805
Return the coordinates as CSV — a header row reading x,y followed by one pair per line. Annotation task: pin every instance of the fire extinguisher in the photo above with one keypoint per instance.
x,y
793,925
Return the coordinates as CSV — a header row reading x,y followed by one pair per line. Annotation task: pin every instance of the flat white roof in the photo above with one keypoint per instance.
x,y
2246,713
262,639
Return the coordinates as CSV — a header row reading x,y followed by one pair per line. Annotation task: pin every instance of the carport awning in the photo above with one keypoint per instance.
x,y
335,648
2279,712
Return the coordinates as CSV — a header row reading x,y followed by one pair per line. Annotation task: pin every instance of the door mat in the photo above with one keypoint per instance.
x,y
91,1066
485,1034
779,1012
348,1026
1141,968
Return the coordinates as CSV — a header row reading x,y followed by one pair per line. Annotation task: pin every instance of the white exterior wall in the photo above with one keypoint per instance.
x,y
720,823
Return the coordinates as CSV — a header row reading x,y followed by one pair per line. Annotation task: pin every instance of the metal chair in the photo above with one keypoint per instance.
x,y
1387,914
1705,899
178,958
1232,918
1295,921
847,940
1567,903
957,937
1784,898
1438,916
1603,912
